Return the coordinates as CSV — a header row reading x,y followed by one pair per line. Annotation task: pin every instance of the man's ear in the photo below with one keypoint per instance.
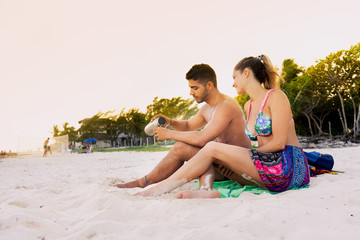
x,y
210,85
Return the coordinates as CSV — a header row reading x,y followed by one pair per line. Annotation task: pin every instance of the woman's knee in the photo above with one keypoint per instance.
x,y
210,148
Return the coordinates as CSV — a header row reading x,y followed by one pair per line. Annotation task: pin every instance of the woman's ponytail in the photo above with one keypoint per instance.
x,y
263,70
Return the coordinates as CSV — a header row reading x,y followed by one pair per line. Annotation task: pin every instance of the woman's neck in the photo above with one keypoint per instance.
x,y
256,92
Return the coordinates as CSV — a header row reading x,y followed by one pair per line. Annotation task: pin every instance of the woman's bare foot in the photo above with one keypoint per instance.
x,y
137,183
197,194
147,193
161,188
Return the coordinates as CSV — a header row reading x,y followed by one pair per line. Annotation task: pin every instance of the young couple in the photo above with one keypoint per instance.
x,y
223,147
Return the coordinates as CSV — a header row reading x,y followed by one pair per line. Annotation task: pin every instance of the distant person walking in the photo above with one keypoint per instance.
x,y
46,147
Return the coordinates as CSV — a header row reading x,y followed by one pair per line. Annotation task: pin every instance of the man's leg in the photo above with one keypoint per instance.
x,y
229,174
206,182
233,157
176,157
207,179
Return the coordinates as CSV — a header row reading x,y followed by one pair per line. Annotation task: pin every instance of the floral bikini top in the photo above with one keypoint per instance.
x,y
262,123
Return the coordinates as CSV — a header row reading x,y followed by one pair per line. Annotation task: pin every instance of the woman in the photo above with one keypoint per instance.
x,y
278,164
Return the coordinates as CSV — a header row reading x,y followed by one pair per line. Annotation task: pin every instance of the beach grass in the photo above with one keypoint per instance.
x,y
152,148
11,154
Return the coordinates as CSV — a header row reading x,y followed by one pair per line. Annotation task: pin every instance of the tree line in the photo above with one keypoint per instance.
x,y
325,101
324,98
131,122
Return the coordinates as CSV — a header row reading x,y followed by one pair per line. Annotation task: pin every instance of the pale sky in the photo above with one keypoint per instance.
x,y
62,61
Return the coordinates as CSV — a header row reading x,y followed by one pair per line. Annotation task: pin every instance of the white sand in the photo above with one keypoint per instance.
x,y
72,197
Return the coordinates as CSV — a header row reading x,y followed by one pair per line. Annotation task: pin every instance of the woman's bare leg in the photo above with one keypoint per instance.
x,y
234,157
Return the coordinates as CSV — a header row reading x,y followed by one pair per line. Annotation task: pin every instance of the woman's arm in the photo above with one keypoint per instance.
x,y
280,114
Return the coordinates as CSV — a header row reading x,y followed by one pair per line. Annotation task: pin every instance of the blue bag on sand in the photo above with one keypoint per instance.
x,y
320,160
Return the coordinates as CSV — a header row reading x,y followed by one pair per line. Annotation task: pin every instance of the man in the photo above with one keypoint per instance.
x,y
221,118
46,147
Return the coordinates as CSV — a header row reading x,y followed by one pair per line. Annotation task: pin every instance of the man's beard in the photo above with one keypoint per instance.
x,y
201,99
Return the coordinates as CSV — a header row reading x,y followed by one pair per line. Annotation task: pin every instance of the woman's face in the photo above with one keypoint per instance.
x,y
239,80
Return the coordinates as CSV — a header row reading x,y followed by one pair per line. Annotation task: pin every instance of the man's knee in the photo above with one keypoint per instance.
x,y
181,146
184,150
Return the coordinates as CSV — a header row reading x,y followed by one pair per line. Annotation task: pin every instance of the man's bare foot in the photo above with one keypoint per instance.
x,y
197,194
137,183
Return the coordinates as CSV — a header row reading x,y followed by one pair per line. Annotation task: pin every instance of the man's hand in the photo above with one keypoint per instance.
x,y
168,120
161,133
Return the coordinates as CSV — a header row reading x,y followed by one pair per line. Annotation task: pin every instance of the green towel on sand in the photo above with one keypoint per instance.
x,y
229,188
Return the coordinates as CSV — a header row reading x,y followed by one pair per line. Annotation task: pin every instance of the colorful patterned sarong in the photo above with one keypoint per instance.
x,y
282,170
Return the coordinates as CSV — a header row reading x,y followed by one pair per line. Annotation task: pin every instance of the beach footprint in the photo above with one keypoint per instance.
x,y
22,187
18,204
114,181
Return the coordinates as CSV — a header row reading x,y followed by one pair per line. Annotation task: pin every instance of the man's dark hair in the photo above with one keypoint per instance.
x,y
202,73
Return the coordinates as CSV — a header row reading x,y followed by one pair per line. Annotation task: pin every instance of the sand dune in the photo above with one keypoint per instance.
x,y
73,197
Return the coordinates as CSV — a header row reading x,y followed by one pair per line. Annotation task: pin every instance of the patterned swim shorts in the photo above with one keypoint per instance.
x,y
282,170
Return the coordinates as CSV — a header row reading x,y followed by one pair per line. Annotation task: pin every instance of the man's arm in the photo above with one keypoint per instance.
x,y
194,123
221,118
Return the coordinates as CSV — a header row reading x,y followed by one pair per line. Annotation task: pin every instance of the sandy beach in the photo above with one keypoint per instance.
x,y
72,197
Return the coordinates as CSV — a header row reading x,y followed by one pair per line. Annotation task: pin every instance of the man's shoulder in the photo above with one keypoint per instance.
x,y
230,102
229,107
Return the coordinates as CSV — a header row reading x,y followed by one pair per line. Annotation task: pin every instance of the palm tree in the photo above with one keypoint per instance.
x,y
135,123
